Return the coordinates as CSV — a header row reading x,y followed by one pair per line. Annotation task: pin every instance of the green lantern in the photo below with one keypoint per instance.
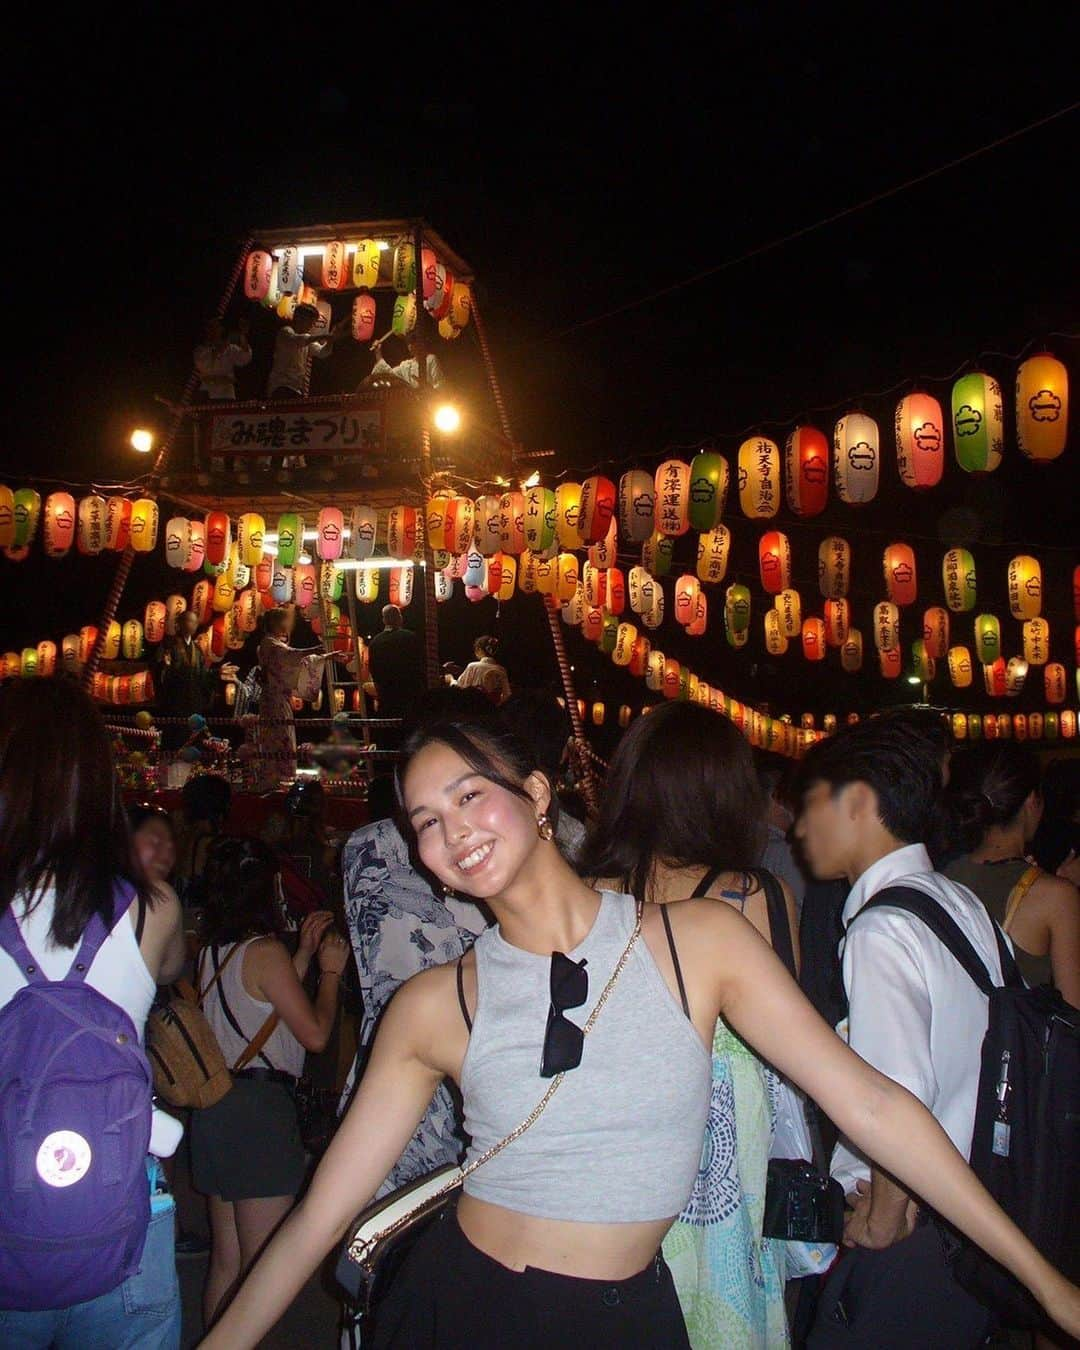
x,y
987,639
737,609
609,633
708,489
657,553
27,508
290,538
978,422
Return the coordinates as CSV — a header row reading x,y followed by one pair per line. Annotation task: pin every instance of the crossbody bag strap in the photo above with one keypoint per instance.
x,y
357,1247
264,1032
779,923
219,970
1017,894
257,1042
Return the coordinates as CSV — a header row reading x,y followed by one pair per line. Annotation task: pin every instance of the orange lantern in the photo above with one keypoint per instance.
x,y
639,656
673,498
512,522
759,478
401,586
1042,407
886,627
834,567
698,624
598,714
713,550
117,523
593,624
890,663
154,621
91,535
936,631
7,517
218,538
401,532
258,266
900,578
1036,642
813,639
616,590
856,458
59,523
144,525
851,653
994,678
1068,725
1054,682
774,562
806,471
920,440
637,500
789,606
837,621
672,682
1020,726
960,667
776,643
1025,587
460,305
247,611
596,509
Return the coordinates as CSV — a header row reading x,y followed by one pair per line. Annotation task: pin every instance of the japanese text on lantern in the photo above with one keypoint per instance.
x,y
669,513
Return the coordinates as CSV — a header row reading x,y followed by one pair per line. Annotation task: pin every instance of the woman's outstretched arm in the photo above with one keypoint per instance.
x,y
398,1084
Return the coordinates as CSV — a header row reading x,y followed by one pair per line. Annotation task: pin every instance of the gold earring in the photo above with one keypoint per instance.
x,y
544,828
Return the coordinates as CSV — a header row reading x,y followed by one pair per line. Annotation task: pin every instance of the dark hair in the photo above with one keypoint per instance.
x,y
240,896
491,748
305,798
207,796
773,772
989,782
488,645
680,789
275,619
304,311
62,820
447,703
138,813
898,755
539,719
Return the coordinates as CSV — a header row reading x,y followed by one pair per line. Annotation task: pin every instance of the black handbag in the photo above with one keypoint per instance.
x,y
390,1228
802,1204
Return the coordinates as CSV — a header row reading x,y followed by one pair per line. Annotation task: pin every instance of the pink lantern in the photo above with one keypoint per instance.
x,y
920,440
363,317
305,585
59,523
687,589
330,533
257,269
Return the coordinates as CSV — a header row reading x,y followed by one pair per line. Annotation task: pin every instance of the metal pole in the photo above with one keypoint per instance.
x,y
123,569
431,620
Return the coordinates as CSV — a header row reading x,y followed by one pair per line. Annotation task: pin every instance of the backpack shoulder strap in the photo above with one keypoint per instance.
x,y
13,942
264,1032
943,926
779,923
702,888
1017,894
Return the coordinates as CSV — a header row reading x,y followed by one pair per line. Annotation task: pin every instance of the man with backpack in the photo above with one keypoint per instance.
x,y
868,799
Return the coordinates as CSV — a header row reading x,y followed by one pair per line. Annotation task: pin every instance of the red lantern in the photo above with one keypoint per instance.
x,y
597,508
891,663
900,579
837,621
995,677
594,624
774,562
401,532
401,586
118,523
671,681
806,469
1054,682
639,656
257,269
616,590
697,625
813,639
218,538
920,440
672,508
363,317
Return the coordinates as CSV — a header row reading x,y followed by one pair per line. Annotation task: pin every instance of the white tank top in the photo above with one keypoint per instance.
x,y
282,1050
118,970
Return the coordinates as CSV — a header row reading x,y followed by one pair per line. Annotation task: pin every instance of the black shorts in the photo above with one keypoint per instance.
x,y
248,1146
449,1294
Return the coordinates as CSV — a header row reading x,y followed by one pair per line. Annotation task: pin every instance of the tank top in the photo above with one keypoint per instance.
x,y
282,1050
621,1140
118,970
993,883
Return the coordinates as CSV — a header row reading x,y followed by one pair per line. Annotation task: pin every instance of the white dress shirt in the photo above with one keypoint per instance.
x,y
216,367
292,353
913,1012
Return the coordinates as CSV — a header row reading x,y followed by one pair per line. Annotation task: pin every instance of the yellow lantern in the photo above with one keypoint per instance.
x,y
856,458
144,525
920,440
131,639
851,653
713,550
776,643
598,714
110,647
7,517
624,644
987,639
1036,642
28,663
789,606
834,567
366,259
936,631
507,578
958,578
69,654
224,594
367,585
460,305
1042,407
759,478
1054,682
960,667
567,575
886,627
654,671
250,529
404,269
567,514
1052,726
837,616
1025,587
959,727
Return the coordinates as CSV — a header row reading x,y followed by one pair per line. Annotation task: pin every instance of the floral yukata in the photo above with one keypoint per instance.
x,y
283,669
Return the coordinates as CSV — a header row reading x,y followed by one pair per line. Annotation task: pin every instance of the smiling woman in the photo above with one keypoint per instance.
x,y
555,1239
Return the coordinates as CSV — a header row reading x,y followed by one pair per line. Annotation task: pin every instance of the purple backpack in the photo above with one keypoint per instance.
x,y
75,1108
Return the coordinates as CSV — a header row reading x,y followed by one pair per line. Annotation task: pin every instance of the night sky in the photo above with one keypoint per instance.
x,y
583,165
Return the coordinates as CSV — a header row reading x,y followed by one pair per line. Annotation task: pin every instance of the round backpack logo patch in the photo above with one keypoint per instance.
x,y
63,1158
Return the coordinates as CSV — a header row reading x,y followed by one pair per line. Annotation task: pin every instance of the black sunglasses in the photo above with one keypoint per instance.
x,y
563,1041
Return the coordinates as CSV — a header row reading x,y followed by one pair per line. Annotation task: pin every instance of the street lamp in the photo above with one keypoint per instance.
x,y
447,418
142,440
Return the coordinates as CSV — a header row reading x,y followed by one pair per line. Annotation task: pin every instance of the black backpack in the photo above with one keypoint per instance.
x,y
1026,1145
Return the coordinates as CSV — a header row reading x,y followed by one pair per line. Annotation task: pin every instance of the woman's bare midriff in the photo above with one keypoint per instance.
x,y
589,1251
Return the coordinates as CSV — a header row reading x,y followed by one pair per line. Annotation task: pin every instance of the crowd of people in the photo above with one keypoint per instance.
x,y
647,963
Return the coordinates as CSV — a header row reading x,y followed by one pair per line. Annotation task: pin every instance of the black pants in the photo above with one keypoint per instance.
x,y
898,1299
450,1296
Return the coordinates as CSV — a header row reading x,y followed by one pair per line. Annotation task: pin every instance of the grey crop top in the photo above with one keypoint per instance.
x,y
621,1140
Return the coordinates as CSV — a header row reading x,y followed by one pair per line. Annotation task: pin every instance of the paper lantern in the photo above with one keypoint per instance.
x,y
625,715
1054,682
367,585
1025,587
28,663
218,643
401,586
435,522
900,577
224,594
672,509
596,509
175,605
46,659
26,510
834,567
657,553
250,532
110,646
1020,726
507,577
714,548
737,608
709,478
700,621
806,471
687,590
131,640
890,663
1036,642
959,725
920,441
605,552
365,268
837,618
593,624
814,639
1052,726
460,305
196,546
144,525
512,522
922,661
566,577
594,579
264,573
305,585
88,637
438,290
653,617
7,517
403,318
886,626
978,422
637,502
1036,725
59,527
788,605
616,590
444,588
460,524
154,621
776,643
639,656
117,523
178,541
401,531
91,534
994,678
69,654
958,577
539,519
272,298
774,562
635,589
330,533
1016,673
856,458
281,584
654,671
1068,725
671,681
290,269
238,573
936,631
219,538
987,639
363,318
404,269
851,653
488,525
625,638
759,478
567,514
258,266
1042,407
363,525
331,582
334,272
